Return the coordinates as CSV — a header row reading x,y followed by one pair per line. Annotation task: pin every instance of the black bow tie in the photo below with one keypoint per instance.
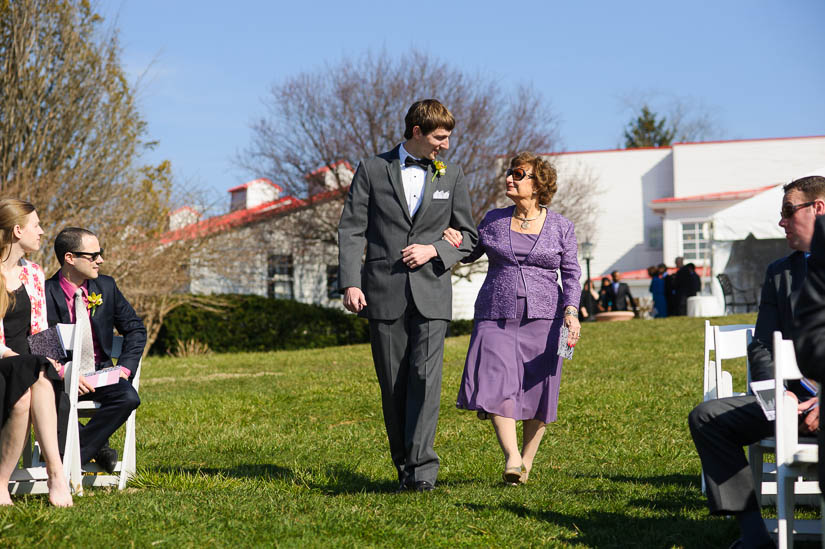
x,y
410,161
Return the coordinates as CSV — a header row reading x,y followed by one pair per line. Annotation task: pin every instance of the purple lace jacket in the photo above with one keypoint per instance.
x,y
556,248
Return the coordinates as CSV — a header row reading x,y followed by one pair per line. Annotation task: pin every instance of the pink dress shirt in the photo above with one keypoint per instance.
x,y
68,291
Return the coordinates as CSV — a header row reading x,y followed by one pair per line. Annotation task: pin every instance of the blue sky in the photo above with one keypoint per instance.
x,y
757,66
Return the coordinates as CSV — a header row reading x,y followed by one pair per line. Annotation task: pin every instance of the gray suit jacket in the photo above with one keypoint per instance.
x,y
783,282
376,217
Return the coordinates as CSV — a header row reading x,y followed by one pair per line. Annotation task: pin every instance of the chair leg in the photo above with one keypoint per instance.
x,y
756,460
71,456
822,519
128,464
784,510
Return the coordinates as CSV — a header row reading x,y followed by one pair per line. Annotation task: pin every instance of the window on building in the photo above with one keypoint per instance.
x,y
280,277
654,237
332,282
696,242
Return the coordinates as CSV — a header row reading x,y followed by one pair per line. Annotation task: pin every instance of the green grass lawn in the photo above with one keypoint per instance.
x,y
288,449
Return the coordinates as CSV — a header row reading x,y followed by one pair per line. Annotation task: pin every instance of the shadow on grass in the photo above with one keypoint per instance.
x,y
332,479
605,530
242,471
685,490
679,480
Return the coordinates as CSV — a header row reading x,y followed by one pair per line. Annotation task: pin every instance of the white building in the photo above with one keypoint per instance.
x,y
655,204
660,203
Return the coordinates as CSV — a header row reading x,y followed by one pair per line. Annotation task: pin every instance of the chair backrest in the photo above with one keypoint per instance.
x,y
726,342
71,342
731,341
785,368
69,337
727,285
117,347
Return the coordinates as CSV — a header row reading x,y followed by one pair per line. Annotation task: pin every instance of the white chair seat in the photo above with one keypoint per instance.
x,y
806,453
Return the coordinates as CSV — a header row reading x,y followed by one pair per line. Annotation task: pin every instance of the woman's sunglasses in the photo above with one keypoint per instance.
x,y
518,174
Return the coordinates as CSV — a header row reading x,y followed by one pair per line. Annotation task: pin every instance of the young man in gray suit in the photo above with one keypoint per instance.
x,y
397,208
720,428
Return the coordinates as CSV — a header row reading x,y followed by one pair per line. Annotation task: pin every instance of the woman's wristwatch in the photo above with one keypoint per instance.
x,y
570,311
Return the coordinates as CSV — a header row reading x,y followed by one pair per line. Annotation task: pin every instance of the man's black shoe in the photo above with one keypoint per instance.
x,y
423,486
107,459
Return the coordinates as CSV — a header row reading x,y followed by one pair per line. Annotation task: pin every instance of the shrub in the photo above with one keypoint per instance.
x,y
254,323
460,327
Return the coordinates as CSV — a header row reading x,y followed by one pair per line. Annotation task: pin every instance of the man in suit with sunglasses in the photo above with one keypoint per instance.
x,y
398,205
720,428
80,257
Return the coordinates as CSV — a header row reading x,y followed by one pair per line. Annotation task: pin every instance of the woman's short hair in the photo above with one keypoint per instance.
x,y
652,271
545,180
429,115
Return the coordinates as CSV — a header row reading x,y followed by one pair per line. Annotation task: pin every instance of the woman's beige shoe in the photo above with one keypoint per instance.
x,y
512,475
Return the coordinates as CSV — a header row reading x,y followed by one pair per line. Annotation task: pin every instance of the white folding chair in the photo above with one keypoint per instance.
x,y
31,479
729,342
126,467
794,459
726,342
764,473
34,471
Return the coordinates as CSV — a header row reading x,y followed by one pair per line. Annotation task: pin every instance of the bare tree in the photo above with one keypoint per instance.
x,y
70,140
355,109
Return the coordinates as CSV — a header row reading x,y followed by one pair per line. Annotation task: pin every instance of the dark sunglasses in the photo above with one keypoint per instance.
x,y
789,209
92,256
518,174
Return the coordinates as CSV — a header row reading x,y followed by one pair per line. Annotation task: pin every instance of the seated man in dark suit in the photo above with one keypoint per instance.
x,y
809,337
720,428
620,294
80,257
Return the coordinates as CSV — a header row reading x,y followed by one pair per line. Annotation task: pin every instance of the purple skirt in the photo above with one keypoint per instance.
x,y
512,367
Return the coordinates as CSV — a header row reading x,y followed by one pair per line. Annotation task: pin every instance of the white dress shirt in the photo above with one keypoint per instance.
x,y
413,179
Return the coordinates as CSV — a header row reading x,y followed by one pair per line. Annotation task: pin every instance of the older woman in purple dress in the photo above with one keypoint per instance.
x,y
512,371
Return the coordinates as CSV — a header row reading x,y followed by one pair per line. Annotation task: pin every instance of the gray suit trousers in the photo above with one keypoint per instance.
x,y
408,354
720,428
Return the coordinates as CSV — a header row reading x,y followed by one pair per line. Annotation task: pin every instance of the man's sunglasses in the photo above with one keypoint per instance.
x,y
789,209
92,256
518,174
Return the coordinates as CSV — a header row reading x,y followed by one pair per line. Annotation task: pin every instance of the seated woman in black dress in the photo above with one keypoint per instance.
x,y
25,384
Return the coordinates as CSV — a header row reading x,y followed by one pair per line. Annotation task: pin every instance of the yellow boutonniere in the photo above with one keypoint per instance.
x,y
94,301
439,169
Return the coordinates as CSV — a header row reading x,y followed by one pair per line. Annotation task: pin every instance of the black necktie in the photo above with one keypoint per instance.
x,y
410,161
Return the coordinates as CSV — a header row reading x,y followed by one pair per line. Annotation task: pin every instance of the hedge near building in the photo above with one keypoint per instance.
x,y
254,323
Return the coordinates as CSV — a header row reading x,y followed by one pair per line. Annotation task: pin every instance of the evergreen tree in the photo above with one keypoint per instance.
x,y
648,131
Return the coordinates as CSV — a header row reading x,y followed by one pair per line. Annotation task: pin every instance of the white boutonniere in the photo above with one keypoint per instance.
x,y
439,169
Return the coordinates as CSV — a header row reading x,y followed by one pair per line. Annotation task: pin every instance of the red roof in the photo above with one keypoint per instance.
x,y
247,216
324,169
727,195
260,179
